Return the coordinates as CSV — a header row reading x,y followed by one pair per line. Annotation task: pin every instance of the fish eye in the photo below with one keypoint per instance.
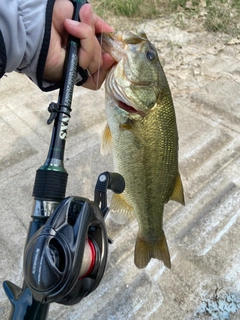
x,y
151,55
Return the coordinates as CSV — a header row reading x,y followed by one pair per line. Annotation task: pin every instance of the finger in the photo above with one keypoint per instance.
x,y
86,16
55,59
63,9
90,50
96,80
90,55
98,25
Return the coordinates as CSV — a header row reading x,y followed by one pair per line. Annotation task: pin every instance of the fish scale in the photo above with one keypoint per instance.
x,y
143,134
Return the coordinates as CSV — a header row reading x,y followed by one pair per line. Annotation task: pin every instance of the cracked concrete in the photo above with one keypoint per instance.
x,y
203,71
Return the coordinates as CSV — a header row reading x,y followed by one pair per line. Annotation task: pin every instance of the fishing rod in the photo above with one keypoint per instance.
x,y
66,247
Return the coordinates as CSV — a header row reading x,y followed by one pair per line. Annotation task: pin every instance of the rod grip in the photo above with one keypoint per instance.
x,y
50,184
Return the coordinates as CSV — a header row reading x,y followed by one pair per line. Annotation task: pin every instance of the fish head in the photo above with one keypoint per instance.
x,y
136,80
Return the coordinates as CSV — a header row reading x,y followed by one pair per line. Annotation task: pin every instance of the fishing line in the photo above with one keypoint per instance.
x,y
91,150
99,59
91,167
97,85
100,49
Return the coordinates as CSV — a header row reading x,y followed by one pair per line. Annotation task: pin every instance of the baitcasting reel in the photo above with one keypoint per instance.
x,y
65,259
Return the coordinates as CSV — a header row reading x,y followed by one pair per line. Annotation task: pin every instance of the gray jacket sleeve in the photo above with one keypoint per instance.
x,y
25,29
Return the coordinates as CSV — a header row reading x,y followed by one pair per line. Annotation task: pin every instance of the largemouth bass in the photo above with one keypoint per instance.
x,y
143,133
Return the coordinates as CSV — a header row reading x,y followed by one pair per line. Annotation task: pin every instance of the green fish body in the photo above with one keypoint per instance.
x,y
143,134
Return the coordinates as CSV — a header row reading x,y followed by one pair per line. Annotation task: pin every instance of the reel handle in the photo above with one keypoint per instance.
x,y
107,180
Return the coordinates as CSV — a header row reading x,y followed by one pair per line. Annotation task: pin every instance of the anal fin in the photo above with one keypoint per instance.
x,y
178,194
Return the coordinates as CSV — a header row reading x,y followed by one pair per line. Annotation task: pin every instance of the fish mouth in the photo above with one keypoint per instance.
x,y
128,109
112,44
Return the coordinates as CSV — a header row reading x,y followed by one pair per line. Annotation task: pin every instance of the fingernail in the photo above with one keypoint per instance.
x,y
72,22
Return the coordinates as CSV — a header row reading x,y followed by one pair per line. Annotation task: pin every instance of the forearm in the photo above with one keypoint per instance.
x,y
25,26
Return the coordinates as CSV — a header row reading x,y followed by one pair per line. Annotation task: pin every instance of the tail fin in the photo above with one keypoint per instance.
x,y
145,250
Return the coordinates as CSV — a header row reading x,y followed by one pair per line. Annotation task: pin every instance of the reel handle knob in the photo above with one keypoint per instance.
x,y
116,182
106,180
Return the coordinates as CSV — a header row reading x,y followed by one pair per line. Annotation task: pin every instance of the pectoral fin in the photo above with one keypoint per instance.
x,y
106,141
130,126
121,211
177,194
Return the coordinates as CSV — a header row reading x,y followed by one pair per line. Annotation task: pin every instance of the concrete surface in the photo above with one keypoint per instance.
x,y
203,70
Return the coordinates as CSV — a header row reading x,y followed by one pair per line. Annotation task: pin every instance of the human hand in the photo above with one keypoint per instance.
x,y
90,54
